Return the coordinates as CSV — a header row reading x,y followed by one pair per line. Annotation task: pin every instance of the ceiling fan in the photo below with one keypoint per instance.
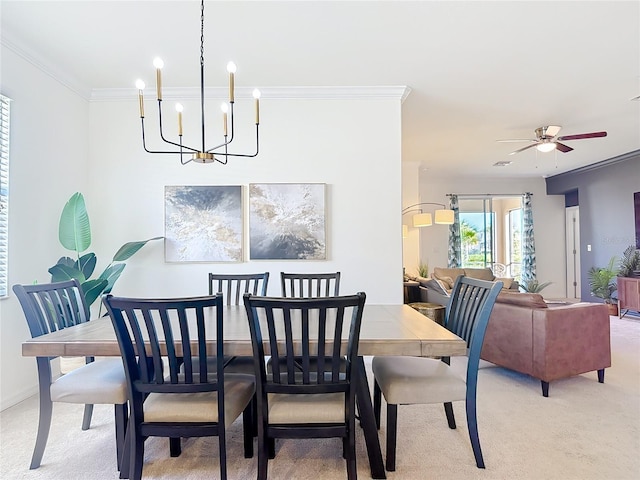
x,y
547,140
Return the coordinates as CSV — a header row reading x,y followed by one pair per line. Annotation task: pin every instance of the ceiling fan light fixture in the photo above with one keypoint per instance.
x,y
546,147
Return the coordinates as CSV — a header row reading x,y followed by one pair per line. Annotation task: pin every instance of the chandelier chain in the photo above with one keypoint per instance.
x,y
202,33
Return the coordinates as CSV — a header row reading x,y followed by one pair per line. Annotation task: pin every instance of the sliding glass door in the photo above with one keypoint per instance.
x,y
491,233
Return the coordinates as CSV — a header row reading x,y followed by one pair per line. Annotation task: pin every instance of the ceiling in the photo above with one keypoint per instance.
x,y
478,71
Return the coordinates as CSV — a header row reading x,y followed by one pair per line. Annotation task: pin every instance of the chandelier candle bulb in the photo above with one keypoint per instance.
x,y
224,109
158,63
231,68
140,87
256,95
179,109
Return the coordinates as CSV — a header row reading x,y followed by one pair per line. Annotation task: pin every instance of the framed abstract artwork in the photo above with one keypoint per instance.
x,y
287,221
203,224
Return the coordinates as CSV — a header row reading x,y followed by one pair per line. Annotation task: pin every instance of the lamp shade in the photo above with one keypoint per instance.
x,y
444,217
422,220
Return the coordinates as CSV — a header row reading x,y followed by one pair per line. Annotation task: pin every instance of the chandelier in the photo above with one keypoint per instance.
x,y
218,153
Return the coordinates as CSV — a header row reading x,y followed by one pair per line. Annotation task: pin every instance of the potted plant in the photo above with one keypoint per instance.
x,y
602,283
630,262
533,286
74,233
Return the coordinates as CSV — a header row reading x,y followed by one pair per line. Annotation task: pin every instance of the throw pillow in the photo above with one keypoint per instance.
x,y
448,281
506,281
437,286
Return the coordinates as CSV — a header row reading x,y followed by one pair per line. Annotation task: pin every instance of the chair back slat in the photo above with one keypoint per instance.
x,y
305,337
49,307
310,285
234,286
175,332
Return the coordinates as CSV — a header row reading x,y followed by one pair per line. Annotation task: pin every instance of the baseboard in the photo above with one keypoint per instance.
x,y
17,397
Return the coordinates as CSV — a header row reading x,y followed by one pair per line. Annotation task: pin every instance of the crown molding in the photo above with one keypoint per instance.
x,y
399,92
44,66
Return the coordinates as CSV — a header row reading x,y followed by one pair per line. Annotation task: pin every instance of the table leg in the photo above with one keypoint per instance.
x,y
367,420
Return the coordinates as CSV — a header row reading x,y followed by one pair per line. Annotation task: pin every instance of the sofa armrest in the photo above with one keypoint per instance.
x,y
569,340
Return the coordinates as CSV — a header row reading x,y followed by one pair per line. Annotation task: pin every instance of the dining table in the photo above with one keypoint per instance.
x,y
385,330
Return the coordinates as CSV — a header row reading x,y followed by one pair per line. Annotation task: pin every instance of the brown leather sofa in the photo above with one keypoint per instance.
x,y
548,342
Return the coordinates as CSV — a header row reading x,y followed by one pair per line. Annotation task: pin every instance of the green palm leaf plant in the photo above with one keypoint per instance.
x,y
630,261
533,286
74,233
602,281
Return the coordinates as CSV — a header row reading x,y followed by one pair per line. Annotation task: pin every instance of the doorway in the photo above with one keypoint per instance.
x,y
572,229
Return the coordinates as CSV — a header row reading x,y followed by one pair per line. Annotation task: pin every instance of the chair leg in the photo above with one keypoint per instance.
x,y
392,431
44,424
472,425
121,418
352,470
125,462
86,418
247,429
545,388
263,454
137,455
175,449
377,403
451,419
271,447
601,375
222,452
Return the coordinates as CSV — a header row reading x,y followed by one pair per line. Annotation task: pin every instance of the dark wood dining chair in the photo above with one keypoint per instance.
x,y
297,399
170,397
49,307
420,380
234,286
303,285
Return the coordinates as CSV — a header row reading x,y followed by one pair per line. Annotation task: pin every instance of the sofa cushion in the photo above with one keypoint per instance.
x,y
506,282
447,275
531,300
480,273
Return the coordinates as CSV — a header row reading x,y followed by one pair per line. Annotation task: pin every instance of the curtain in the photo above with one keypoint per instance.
x,y
528,245
454,248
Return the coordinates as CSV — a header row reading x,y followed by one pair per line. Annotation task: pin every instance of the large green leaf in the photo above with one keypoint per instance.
x,y
92,289
130,248
74,229
87,264
111,274
61,273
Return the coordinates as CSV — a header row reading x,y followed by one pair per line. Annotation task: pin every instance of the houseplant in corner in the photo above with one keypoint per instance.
x,y
602,281
74,233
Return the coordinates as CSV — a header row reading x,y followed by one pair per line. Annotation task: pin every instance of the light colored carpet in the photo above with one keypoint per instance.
x,y
584,430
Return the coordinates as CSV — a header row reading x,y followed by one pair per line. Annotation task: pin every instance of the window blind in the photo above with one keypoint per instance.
x,y
4,193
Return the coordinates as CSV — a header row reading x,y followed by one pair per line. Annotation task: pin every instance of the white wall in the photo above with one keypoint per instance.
x,y
48,153
351,145
61,143
548,222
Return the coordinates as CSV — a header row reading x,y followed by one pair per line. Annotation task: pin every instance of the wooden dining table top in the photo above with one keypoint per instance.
x,y
385,330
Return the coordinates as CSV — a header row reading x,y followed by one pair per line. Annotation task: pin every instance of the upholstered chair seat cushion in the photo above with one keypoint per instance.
x,y
102,381
202,406
312,408
417,380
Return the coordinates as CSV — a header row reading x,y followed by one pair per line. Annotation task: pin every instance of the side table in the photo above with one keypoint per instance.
x,y
411,291
434,311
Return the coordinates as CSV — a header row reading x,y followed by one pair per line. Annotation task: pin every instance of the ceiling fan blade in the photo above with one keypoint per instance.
x,y
523,148
552,130
562,147
580,136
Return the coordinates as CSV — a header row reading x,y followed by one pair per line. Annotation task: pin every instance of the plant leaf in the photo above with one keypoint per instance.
x,y
62,272
111,274
130,248
87,264
68,261
74,230
92,289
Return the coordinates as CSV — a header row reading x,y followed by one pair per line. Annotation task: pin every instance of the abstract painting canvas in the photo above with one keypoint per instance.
x,y
203,223
287,221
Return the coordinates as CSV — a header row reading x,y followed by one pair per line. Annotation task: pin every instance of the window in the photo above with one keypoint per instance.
x,y
491,233
4,192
